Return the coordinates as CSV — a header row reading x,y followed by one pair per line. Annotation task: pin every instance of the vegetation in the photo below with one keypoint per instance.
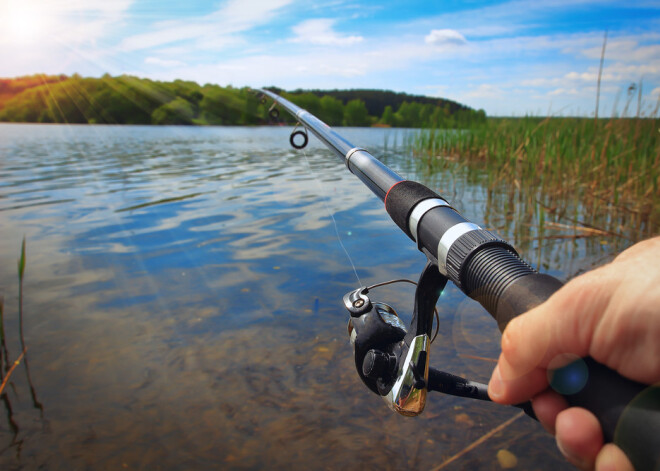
x,y
8,367
610,166
122,100
131,100
601,176
377,100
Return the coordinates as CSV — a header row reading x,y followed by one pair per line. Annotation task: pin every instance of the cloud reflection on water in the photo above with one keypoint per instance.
x,y
207,331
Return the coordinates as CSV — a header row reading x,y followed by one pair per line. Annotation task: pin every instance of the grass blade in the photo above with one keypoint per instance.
x,y
21,262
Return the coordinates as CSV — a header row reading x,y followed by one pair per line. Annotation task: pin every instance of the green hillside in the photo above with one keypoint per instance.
x,y
377,100
132,100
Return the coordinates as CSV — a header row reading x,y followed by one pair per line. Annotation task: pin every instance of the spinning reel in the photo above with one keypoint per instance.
x,y
393,361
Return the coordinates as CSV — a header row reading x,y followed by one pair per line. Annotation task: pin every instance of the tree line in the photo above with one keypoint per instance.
x,y
131,100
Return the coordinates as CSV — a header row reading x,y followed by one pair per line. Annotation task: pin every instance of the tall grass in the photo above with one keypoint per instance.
x,y
603,174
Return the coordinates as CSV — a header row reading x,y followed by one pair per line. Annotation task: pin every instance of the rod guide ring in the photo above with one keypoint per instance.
x,y
292,139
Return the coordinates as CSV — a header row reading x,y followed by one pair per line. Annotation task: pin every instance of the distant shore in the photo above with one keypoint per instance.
x,y
132,100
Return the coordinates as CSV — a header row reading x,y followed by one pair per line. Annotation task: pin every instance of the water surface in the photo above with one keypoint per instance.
x,y
182,304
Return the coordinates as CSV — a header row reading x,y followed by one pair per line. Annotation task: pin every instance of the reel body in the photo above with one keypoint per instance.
x,y
392,361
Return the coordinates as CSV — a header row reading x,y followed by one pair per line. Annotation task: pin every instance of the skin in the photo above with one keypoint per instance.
x,y
610,314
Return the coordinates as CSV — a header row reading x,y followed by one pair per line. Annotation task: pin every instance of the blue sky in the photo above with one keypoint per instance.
x,y
508,57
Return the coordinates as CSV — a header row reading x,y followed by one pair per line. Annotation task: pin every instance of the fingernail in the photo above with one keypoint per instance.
x,y
611,458
495,385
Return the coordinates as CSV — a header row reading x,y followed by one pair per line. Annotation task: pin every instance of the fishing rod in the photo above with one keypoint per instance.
x,y
393,361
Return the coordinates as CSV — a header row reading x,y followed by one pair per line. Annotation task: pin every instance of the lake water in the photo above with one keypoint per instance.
x,y
182,304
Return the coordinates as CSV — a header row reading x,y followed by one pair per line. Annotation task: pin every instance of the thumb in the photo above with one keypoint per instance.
x,y
551,334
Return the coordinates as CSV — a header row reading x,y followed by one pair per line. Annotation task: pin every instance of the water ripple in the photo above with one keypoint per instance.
x,y
183,306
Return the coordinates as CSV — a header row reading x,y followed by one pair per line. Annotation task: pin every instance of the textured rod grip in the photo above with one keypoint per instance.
x,y
402,198
629,412
504,284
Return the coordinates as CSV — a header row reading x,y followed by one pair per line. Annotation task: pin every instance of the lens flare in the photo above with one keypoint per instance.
x,y
569,379
22,22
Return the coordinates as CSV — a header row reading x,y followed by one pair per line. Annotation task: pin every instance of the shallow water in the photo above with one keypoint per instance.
x,y
182,305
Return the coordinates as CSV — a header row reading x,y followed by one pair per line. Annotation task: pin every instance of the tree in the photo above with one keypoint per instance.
x,y
178,111
250,114
388,117
307,101
409,115
221,106
332,111
425,116
356,114
132,100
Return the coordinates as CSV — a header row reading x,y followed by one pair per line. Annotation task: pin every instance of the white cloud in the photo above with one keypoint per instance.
x,y
613,74
569,79
168,33
627,49
433,90
163,62
241,15
320,31
307,70
486,90
445,37
542,82
507,17
656,92
212,31
492,57
583,77
634,72
564,91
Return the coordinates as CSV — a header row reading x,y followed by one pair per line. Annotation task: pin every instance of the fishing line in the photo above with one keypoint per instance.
x,y
324,199
404,280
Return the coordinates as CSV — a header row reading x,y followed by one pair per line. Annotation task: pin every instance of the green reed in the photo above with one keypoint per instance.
x,y
601,173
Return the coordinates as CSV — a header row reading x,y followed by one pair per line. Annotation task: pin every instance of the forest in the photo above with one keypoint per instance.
x,y
131,100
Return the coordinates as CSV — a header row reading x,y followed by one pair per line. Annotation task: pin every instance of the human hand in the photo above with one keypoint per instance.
x,y
610,314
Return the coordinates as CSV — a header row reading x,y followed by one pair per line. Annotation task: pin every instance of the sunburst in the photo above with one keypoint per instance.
x,y
22,21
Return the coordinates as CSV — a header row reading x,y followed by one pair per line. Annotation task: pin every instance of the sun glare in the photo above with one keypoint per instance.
x,y
22,21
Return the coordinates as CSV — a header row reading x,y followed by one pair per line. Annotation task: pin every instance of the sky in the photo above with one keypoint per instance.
x,y
514,57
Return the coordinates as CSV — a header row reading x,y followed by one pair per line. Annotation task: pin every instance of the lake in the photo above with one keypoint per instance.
x,y
182,304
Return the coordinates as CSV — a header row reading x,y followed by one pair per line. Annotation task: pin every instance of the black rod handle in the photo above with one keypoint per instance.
x,y
628,411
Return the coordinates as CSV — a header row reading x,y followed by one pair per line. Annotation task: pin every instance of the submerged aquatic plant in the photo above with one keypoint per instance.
x,y
3,341
10,367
